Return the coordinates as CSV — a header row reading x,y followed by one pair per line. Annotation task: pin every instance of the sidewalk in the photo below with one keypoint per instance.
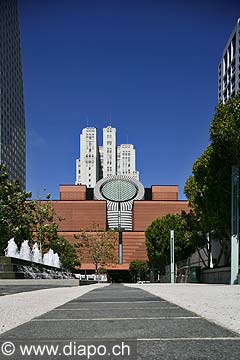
x,y
19,308
217,303
138,324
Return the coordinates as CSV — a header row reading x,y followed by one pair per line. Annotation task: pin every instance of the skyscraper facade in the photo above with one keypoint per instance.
x,y
12,118
97,162
229,67
109,151
126,161
87,166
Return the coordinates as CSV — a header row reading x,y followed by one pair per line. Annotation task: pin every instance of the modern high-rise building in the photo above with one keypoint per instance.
x,y
229,67
97,162
87,166
126,161
109,151
12,118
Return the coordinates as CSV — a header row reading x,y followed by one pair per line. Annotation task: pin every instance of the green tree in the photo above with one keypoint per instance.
x,y
199,237
67,253
138,269
158,240
97,246
225,130
209,188
35,220
209,194
15,211
44,231
44,223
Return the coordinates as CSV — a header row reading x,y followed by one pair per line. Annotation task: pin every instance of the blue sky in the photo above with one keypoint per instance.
x,y
150,66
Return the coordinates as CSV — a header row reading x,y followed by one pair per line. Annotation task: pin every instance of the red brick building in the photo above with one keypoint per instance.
x,y
79,210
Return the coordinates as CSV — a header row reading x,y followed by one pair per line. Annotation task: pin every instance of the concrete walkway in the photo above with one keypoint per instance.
x,y
129,317
218,303
18,308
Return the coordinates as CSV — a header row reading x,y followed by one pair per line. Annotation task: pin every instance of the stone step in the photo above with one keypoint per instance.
x,y
11,275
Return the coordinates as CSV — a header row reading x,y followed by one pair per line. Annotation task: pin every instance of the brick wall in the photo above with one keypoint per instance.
x,y
133,249
80,214
144,212
164,192
73,192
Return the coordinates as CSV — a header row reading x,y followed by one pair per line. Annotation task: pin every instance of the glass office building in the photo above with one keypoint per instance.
x,y
12,118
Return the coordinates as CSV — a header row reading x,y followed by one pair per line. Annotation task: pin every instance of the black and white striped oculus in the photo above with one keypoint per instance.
x,y
119,188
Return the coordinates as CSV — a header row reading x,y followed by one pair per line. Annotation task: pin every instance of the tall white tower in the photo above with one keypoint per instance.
x,y
109,151
126,162
97,162
87,166
228,69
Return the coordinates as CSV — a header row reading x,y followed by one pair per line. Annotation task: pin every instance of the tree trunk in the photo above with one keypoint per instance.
x,y
204,263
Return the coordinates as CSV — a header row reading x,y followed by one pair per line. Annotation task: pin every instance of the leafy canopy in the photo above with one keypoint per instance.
x,y
97,246
35,220
158,239
138,269
208,189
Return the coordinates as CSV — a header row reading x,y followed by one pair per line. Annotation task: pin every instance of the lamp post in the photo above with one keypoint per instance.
x,y
120,230
172,256
120,252
234,225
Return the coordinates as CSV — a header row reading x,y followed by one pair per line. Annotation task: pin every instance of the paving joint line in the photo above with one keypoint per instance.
x,y
192,339
118,318
104,309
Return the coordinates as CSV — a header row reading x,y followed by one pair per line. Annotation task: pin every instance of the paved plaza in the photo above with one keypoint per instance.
x,y
152,327
215,302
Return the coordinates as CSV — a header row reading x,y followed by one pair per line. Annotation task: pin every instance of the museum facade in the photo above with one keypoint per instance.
x,y
117,202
